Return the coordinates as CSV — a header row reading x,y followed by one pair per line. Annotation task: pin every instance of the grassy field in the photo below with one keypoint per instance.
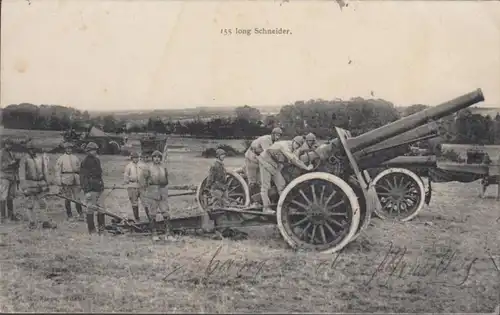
x,y
445,260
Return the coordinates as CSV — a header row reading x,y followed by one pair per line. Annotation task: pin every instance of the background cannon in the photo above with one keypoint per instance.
x,y
329,207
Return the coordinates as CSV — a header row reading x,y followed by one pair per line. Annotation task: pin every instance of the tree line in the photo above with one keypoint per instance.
x,y
318,116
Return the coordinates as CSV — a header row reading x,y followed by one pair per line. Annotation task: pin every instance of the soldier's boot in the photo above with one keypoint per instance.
x,y
169,235
152,226
3,213
79,210
10,210
90,223
147,213
67,205
101,222
135,209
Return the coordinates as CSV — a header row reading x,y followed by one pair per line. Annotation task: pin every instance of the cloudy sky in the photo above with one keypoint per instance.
x,y
146,54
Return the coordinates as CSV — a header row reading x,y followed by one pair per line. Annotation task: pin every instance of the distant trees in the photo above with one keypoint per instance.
x,y
318,116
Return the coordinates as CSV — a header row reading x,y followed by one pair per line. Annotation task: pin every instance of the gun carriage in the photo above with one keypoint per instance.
x,y
151,143
328,207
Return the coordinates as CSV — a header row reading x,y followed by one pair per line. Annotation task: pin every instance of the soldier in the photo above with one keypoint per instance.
x,y
8,180
309,145
134,180
216,180
156,178
216,183
92,186
67,177
256,148
271,162
33,176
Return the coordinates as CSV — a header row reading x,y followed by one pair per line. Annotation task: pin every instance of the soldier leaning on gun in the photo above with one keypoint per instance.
x,y
256,148
67,177
33,177
8,180
134,180
92,186
156,178
271,163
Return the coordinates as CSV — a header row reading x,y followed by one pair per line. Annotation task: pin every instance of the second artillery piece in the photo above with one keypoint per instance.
x,y
325,209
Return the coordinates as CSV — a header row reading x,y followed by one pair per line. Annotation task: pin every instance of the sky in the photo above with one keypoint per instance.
x,y
152,54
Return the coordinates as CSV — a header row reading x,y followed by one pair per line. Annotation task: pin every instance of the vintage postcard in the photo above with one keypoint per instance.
x,y
250,156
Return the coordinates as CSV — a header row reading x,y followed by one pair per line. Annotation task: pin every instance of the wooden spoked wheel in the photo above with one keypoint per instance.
x,y
318,211
238,192
401,194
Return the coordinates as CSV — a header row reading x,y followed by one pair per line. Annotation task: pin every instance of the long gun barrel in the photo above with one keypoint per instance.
x,y
408,137
407,161
415,120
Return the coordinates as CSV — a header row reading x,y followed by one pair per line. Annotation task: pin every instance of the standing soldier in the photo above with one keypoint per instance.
x,y
216,183
8,180
271,162
216,180
92,186
156,178
133,178
67,171
256,148
33,176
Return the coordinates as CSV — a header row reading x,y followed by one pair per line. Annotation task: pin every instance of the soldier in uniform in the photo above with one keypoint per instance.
x,y
216,183
67,177
309,145
33,176
256,148
271,162
8,180
92,186
134,180
156,178
216,180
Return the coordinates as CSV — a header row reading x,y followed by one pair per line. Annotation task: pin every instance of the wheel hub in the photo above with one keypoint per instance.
x,y
316,214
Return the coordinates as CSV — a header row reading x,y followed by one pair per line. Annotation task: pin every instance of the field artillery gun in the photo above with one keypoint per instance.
x,y
328,207
108,144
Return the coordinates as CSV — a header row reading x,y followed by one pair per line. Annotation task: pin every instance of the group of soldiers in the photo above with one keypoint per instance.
x,y
29,174
264,162
146,182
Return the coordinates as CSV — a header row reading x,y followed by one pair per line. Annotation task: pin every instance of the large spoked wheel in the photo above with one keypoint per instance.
x,y
238,192
401,194
318,211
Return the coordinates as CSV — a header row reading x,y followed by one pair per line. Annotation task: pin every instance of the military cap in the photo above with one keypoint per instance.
x,y
157,153
310,137
299,139
30,145
277,130
219,152
134,155
68,145
91,146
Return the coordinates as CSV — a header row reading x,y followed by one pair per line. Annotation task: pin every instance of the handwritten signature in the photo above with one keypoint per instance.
x,y
395,264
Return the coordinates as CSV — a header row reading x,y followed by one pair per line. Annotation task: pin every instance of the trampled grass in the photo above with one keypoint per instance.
x,y
445,260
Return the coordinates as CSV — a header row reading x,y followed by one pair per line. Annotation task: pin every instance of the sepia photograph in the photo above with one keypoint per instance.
x,y
268,156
